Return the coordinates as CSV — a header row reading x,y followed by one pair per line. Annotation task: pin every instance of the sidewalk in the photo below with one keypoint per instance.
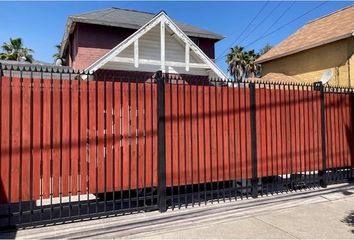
x,y
316,213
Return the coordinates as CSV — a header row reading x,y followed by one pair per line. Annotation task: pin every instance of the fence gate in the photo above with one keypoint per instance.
x,y
77,145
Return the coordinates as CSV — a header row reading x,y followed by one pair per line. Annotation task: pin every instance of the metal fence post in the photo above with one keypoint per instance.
x,y
351,139
254,180
161,191
322,174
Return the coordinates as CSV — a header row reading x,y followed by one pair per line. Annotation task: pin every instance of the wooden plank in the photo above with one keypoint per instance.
x,y
248,133
220,133
82,139
347,145
56,161
101,135
26,129
133,141
337,153
195,141
126,128
46,118
74,139
117,128
93,166
303,118
310,134
149,134
4,187
65,136
201,135
207,133
15,140
269,141
225,133
108,140
214,135
141,138
189,137
36,138
287,130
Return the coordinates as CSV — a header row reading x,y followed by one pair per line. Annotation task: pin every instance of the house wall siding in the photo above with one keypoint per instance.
x,y
150,49
93,41
308,66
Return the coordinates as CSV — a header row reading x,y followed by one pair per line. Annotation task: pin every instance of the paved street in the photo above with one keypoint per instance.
x,y
316,213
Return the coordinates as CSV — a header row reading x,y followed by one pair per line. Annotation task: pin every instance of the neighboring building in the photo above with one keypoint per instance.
x,y
129,41
325,43
275,77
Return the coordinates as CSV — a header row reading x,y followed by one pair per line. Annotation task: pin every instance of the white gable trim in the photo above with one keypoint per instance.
x,y
163,20
194,47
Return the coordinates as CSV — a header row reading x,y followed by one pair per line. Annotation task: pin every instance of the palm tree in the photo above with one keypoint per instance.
x,y
57,54
235,61
252,69
14,50
242,63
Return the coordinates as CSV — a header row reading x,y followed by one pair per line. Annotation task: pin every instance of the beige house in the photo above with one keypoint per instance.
x,y
324,43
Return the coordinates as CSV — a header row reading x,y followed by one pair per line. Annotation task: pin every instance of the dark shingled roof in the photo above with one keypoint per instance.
x,y
131,19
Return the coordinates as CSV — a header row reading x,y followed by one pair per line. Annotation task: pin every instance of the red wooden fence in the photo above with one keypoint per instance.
x,y
60,144
208,135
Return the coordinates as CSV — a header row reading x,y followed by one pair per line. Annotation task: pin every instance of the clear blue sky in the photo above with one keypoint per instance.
x,y
41,24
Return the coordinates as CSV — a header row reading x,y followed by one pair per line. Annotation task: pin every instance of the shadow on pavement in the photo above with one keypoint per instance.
x,y
349,220
9,234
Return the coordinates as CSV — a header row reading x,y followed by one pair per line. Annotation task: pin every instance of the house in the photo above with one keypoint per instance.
x,y
326,43
130,42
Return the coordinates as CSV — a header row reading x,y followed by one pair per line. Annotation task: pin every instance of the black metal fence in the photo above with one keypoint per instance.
x,y
79,146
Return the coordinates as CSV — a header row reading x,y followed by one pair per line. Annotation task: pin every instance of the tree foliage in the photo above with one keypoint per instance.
x,y
265,49
241,63
14,50
56,55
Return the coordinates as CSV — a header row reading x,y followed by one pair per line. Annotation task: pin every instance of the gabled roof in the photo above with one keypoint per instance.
x,y
160,19
130,19
330,28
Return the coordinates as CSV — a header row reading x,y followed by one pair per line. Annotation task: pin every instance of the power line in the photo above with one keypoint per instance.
x,y
278,19
258,25
286,24
245,29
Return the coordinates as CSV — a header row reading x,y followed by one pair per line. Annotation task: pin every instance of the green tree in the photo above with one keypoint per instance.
x,y
14,50
265,49
57,54
235,61
252,69
241,63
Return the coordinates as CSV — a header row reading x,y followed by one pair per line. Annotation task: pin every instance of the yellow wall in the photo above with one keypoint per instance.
x,y
308,66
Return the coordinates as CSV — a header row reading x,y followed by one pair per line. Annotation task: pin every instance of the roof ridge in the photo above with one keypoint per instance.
x,y
329,14
90,11
132,10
